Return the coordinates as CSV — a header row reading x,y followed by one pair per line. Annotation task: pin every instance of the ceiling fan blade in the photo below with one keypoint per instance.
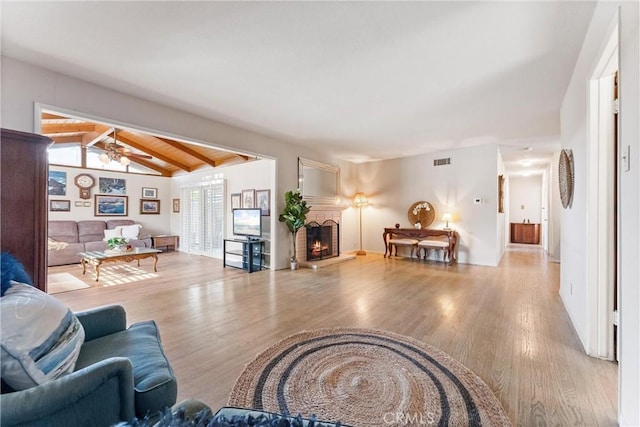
x,y
141,156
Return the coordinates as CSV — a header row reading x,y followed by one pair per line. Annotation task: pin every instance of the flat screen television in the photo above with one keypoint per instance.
x,y
247,222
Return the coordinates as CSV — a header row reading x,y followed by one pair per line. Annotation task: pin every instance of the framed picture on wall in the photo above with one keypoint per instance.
x,y
112,185
111,205
59,205
149,193
148,206
248,199
263,201
236,201
176,205
57,183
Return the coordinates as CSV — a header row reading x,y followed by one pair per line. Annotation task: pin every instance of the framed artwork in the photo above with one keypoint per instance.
x,y
263,201
106,205
176,205
150,207
248,199
86,204
57,183
112,186
149,193
77,204
500,193
59,205
236,201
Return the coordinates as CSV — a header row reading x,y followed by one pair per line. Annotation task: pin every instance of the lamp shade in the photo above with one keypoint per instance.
x,y
360,200
104,158
446,216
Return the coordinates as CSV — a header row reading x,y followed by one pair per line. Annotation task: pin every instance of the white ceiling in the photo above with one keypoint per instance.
x,y
367,80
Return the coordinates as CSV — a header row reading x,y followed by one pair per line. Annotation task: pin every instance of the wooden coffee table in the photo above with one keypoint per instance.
x,y
97,258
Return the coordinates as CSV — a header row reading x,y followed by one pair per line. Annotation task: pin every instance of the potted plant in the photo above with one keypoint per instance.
x,y
294,216
116,243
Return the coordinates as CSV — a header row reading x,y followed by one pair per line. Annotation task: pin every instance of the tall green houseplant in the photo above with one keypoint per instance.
x,y
294,216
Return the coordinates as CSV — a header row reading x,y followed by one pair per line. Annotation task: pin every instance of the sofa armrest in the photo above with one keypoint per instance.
x,y
102,321
100,394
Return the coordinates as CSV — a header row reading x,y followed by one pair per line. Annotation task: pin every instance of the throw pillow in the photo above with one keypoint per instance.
x,y
130,231
108,234
40,340
54,245
11,269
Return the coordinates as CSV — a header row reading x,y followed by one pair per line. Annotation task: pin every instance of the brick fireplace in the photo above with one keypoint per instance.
x,y
327,216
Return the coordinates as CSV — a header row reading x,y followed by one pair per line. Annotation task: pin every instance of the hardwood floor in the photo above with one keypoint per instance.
x,y
507,324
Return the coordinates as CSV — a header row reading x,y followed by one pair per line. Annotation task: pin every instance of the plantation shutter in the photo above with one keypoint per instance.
x,y
203,218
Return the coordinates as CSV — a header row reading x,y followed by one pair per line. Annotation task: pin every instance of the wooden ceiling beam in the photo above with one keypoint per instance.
x,y
131,140
175,144
52,128
50,116
91,138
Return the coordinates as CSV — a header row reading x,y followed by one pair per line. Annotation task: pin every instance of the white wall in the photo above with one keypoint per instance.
x,y
24,84
393,185
574,240
525,198
151,224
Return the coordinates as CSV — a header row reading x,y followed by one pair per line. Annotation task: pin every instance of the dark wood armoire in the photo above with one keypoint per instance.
x,y
24,172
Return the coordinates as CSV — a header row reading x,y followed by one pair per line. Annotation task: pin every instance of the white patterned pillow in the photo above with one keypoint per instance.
x,y
130,231
41,338
108,234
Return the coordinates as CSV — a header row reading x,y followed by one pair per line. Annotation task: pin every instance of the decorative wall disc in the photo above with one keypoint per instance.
x,y
566,177
421,212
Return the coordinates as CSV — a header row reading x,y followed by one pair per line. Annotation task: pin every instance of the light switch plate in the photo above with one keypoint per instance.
x,y
626,166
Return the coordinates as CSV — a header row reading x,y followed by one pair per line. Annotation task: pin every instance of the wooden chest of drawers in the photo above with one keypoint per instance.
x,y
525,233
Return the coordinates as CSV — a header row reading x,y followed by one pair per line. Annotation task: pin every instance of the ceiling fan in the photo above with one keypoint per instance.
x,y
114,152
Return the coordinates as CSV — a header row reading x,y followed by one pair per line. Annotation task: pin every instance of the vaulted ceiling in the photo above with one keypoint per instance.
x,y
163,155
365,80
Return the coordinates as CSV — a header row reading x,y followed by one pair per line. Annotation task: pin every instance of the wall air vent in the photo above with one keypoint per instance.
x,y
442,162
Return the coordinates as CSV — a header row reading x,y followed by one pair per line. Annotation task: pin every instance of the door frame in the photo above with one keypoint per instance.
x,y
601,199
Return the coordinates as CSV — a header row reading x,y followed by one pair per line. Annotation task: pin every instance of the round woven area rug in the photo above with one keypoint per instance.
x,y
365,377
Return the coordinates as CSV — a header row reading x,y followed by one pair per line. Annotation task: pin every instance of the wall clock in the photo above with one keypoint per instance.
x,y
84,183
566,177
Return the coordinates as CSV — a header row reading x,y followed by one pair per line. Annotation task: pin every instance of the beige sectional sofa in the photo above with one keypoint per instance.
x,y
68,238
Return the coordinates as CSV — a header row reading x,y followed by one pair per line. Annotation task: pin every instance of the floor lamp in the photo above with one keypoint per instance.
x,y
359,201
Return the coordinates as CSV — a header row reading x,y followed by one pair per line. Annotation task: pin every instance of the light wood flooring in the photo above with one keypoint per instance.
x,y
507,324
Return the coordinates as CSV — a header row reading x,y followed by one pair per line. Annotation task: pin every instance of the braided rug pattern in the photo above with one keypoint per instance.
x,y
365,377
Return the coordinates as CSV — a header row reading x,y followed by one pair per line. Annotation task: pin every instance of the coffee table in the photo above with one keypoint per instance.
x,y
97,258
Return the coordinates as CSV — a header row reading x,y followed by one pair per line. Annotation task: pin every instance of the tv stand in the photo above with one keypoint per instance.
x,y
247,254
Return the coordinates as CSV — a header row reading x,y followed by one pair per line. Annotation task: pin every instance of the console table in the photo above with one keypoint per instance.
x,y
420,234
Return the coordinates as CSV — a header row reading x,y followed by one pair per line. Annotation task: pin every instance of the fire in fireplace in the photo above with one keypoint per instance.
x,y
322,240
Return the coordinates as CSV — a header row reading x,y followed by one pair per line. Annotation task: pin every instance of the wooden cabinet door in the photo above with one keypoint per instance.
x,y
24,175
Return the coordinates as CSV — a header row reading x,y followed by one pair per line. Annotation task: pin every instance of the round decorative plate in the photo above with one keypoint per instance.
x,y
421,212
565,177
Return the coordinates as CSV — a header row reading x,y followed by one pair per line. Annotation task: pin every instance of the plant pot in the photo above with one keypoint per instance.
x,y
294,265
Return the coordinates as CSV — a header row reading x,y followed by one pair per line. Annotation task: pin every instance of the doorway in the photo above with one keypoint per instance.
x,y
601,205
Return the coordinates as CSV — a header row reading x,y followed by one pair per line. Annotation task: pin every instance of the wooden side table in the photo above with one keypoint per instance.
x,y
164,241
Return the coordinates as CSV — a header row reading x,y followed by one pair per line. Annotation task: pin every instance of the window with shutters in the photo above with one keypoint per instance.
x,y
202,215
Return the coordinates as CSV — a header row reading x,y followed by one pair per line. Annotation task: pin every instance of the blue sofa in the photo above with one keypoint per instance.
x,y
121,373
